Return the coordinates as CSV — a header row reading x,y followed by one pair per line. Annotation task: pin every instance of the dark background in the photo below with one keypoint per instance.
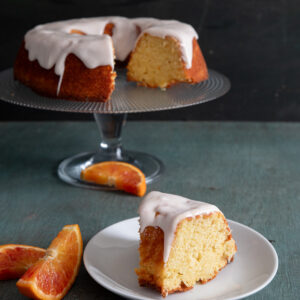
x,y
255,43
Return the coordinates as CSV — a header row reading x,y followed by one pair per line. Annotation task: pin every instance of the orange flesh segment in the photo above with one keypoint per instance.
x,y
122,176
16,259
52,276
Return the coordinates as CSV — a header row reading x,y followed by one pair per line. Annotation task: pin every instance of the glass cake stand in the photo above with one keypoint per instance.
x,y
111,116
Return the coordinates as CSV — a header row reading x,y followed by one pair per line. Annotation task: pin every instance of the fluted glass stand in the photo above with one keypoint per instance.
x,y
111,116
110,148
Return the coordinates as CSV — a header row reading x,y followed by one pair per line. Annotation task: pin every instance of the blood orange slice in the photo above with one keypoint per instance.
x,y
16,259
122,176
52,276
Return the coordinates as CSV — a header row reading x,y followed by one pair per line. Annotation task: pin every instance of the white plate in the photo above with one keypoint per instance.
x,y
111,256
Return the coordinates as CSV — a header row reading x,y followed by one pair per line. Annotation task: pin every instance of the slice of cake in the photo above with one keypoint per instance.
x,y
182,242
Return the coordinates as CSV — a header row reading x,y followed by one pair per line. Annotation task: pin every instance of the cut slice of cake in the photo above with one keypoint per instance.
x,y
182,242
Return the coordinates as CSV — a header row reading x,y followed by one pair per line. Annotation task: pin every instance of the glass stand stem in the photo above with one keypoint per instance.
x,y
110,128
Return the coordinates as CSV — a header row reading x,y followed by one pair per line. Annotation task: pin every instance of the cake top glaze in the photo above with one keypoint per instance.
x,y
166,211
51,43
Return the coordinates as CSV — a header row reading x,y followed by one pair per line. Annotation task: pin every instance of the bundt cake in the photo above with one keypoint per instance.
x,y
75,59
181,242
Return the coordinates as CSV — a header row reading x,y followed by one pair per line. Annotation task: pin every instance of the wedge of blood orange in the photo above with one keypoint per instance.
x,y
122,176
16,259
52,276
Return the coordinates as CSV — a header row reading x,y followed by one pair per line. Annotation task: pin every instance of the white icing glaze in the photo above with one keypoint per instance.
x,y
166,211
51,43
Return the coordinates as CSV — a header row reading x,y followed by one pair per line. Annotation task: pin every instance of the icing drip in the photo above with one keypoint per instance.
x,y
51,43
166,211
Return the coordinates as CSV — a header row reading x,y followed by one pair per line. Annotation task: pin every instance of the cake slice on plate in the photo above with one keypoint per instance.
x,y
182,242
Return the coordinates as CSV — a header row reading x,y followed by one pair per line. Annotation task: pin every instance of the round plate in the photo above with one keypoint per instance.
x,y
111,256
126,98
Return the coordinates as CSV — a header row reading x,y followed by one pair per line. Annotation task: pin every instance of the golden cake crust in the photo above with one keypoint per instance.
x,y
198,72
181,289
78,83
91,85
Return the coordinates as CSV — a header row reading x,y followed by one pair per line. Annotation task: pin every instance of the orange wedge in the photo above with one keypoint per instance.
x,y
122,176
52,276
16,259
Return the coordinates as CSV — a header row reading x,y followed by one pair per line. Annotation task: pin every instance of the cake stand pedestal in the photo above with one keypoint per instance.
x,y
110,148
111,116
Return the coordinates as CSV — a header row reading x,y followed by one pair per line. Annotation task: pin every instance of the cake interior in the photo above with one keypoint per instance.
x,y
202,246
156,62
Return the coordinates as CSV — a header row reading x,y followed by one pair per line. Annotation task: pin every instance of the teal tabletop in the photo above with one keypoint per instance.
x,y
251,171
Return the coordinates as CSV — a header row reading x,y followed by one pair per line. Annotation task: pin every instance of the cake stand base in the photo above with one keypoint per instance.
x,y
110,128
